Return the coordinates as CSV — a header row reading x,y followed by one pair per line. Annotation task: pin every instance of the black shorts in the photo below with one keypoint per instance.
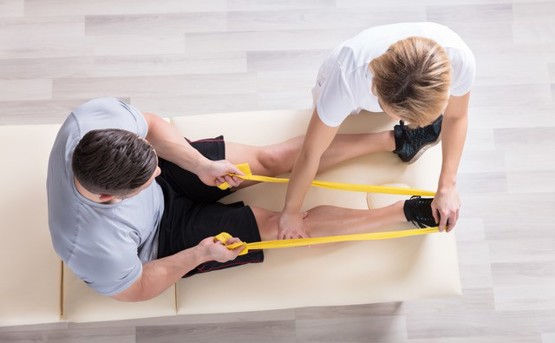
x,y
192,211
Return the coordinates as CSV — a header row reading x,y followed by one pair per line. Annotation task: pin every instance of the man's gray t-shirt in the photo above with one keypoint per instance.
x,y
103,244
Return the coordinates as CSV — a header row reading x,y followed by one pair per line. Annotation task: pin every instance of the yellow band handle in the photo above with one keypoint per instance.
x,y
329,185
302,242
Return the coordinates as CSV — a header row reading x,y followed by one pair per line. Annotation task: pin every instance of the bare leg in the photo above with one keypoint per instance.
x,y
279,158
330,220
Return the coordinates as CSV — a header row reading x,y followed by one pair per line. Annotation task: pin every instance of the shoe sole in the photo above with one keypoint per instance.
x,y
423,150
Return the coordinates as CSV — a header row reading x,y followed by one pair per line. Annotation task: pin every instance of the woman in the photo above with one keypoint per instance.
x,y
413,72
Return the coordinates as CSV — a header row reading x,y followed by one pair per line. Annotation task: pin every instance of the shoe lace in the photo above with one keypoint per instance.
x,y
418,218
415,134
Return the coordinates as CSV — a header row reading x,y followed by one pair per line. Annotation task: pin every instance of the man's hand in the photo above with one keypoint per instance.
x,y
445,208
215,173
217,251
161,273
292,226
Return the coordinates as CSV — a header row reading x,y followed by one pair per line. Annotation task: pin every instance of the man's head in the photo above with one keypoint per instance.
x,y
412,79
113,162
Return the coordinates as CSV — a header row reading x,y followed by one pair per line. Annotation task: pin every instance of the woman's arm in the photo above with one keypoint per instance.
x,y
446,204
317,139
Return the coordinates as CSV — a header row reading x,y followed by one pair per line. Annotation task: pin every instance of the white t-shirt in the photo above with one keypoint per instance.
x,y
344,81
105,245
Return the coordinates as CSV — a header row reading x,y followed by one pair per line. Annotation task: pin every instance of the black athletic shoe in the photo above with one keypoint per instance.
x,y
410,144
419,211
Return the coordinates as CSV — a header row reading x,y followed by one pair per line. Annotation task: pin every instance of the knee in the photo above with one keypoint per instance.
x,y
267,222
274,160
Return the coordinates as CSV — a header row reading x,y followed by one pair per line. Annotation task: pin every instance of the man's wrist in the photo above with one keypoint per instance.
x,y
201,254
199,163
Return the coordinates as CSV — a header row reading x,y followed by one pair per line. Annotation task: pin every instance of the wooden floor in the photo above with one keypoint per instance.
x,y
182,57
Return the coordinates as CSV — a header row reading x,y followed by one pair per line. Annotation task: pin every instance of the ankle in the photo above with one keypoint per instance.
x,y
389,143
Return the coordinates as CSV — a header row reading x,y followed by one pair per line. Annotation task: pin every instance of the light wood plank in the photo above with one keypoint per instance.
x,y
484,339
45,47
322,18
46,68
498,13
305,61
37,112
21,28
107,7
271,331
18,90
153,65
116,335
526,95
481,323
271,40
165,86
199,104
535,297
528,139
120,44
483,182
531,182
548,338
489,161
275,5
352,329
11,8
155,24
510,116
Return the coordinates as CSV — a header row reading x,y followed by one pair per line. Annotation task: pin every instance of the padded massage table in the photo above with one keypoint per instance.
x,y
37,288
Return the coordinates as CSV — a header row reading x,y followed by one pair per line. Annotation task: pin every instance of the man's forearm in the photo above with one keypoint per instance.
x,y
160,274
171,146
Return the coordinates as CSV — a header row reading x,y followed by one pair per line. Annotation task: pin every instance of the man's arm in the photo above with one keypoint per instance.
x,y
446,203
160,274
171,146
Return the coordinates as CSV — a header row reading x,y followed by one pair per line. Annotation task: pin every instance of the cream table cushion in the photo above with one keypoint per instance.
x,y
337,274
30,270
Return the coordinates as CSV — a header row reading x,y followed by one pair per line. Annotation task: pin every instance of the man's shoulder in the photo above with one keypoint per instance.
x,y
109,112
99,105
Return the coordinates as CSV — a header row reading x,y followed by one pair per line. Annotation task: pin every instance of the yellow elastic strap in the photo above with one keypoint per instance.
x,y
329,185
301,242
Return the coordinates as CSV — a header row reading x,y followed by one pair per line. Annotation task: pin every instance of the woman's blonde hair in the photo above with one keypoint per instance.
x,y
413,78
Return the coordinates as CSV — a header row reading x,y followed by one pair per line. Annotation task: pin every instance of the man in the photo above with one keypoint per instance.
x,y
133,207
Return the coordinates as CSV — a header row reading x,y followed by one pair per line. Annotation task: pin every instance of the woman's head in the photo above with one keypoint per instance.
x,y
113,162
412,79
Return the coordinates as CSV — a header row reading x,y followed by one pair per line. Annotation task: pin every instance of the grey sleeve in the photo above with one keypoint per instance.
x,y
109,113
110,276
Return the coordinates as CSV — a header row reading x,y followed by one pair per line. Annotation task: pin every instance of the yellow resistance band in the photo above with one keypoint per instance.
x,y
302,242
299,242
329,185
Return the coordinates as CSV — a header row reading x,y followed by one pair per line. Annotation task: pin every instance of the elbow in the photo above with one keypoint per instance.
x,y
133,298
136,293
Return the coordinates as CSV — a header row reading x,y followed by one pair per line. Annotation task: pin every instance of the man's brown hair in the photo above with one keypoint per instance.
x,y
113,162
